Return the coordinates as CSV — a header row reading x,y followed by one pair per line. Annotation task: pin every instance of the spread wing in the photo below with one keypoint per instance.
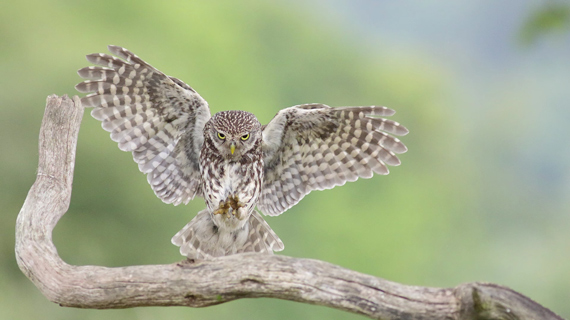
x,y
316,147
156,117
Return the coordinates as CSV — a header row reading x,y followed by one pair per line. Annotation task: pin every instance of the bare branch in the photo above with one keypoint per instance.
x,y
205,283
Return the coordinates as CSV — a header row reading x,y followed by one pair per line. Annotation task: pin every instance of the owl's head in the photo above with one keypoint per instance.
x,y
233,133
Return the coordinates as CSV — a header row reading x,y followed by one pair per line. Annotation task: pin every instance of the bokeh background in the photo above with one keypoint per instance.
x,y
483,86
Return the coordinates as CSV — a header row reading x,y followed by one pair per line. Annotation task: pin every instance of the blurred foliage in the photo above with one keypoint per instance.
x,y
437,220
553,18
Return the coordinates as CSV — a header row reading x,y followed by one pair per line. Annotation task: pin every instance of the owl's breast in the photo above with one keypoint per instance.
x,y
224,179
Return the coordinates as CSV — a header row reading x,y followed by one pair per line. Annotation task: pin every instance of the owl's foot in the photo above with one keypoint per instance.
x,y
233,203
223,207
237,207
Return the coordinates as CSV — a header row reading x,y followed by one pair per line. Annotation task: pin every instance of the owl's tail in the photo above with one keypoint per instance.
x,y
202,239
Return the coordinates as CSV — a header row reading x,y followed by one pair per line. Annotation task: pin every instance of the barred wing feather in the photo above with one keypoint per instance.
x,y
316,147
156,117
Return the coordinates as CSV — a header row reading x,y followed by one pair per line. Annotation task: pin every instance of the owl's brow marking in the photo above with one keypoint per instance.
x,y
235,122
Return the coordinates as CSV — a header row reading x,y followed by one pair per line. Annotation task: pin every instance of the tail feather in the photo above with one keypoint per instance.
x,y
261,237
202,239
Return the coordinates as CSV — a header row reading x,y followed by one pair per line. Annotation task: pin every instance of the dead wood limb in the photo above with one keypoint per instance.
x,y
224,279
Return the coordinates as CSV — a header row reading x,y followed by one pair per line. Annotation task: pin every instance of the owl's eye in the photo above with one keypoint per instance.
x,y
245,137
221,135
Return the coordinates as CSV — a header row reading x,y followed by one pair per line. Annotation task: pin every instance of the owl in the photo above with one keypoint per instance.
x,y
238,166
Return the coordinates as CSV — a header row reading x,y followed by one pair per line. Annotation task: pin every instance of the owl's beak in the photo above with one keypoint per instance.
x,y
232,147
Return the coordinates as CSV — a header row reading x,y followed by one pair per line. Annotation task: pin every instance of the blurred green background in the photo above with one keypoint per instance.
x,y
483,86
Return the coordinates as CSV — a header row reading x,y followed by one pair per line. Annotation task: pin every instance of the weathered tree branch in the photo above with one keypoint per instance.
x,y
205,283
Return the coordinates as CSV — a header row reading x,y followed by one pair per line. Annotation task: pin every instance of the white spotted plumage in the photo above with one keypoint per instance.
x,y
186,152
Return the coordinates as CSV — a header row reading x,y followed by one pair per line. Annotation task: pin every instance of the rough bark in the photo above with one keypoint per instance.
x,y
205,283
